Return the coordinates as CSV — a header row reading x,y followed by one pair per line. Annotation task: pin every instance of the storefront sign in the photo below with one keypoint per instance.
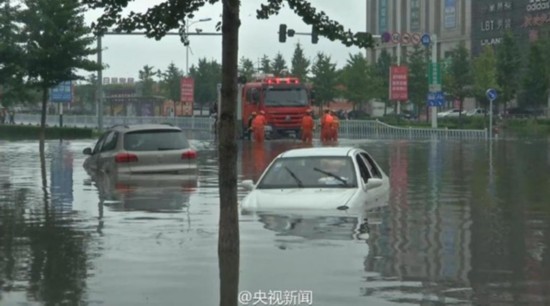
x,y
450,14
537,5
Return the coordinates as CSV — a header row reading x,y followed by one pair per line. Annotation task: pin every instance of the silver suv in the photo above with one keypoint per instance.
x,y
141,150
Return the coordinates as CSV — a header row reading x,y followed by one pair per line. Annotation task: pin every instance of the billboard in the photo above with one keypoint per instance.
x,y
62,93
383,16
450,14
187,88
415,15
399,86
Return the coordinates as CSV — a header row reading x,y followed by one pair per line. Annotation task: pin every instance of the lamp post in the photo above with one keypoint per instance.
x,y
187,25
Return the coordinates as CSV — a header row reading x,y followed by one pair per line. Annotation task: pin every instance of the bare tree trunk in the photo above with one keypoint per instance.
x,y
228,232
43,115
460,108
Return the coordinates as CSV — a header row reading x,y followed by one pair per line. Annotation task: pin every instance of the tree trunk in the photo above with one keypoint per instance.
x,y
43,115
460,108
228,232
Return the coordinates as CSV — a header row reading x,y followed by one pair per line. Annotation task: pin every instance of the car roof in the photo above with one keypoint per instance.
x,y
315,152
141,127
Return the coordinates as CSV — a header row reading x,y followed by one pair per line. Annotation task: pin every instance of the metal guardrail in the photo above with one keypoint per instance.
x,y
349,129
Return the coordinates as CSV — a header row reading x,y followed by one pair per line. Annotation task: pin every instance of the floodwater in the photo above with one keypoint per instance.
x,y
465,224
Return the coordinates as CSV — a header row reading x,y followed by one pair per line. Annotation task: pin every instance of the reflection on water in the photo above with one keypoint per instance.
x,y
466,223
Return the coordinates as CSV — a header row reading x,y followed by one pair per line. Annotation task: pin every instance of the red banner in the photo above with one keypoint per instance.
x,y
399,87
187,88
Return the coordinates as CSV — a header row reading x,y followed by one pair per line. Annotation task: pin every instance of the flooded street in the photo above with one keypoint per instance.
x,y
465,225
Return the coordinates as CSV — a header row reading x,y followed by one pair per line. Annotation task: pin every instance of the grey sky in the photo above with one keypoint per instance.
x,y
126,55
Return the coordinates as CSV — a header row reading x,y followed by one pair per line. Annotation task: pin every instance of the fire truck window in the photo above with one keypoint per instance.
x,y
255,96
289,96
249,96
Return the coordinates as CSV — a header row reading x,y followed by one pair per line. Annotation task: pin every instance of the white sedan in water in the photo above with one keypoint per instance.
x,y
345,179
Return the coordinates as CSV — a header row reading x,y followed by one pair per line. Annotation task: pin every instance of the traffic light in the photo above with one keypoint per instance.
x,y
282,33
314,35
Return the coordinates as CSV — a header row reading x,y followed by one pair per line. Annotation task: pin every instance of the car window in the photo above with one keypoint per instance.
x,y
99,143
372,166
364,171
310,172
155,140
110,142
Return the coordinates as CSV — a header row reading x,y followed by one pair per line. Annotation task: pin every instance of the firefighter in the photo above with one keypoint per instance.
x,y
335,126
249,129
308,125
326,126
258,127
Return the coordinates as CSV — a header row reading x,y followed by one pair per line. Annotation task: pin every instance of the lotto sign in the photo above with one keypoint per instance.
x,y
399,87
187,88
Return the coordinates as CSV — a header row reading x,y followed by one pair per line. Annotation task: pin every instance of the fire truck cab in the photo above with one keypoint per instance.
x,y
283,99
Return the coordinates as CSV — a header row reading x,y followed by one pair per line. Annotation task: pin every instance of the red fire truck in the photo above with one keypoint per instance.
x,y
283,99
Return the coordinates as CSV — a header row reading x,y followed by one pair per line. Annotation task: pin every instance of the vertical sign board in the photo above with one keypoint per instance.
x,y
450,14
187,91
62,93
399,87
415,15
383,16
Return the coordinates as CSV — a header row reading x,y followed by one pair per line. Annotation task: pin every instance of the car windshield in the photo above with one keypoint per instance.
x,y
285,96
155,140
310,172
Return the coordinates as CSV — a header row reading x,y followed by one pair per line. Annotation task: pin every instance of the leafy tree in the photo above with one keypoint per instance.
x,y
535,82
382,69
86,93
279,64
265,63
459,75
359,80
300,64
324,78
57,43
418,77
484,73
167,15
207,75
170,85
146,76
11,55
508,65
246,68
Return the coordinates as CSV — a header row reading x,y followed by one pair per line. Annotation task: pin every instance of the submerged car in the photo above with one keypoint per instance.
x,y
318,179
141,151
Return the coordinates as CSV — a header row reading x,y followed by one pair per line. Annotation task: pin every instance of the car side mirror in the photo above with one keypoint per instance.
x,y
87,151
374,183
248,184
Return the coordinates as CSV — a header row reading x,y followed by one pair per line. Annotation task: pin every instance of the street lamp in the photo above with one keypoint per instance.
x,y
187,25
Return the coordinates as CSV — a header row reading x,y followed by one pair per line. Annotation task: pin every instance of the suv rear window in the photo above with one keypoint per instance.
x,y
155,140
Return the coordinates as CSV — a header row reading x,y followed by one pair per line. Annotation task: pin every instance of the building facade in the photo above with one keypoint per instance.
x,y
407,20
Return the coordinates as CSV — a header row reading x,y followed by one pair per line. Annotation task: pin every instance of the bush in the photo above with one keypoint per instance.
x,y
20,132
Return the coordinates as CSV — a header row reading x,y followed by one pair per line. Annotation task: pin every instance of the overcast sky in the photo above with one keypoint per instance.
x,y
126,55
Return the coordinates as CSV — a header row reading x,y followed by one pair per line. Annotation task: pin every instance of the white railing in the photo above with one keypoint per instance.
x,y
349,129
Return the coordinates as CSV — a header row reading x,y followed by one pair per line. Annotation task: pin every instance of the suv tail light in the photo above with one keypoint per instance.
x,y
126,158
189,154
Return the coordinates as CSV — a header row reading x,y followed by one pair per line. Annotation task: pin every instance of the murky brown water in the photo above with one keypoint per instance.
x,y
464,225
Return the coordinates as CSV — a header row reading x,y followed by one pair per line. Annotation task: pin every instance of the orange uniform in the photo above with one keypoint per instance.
x,y
334,128
258,127
307,128
326,127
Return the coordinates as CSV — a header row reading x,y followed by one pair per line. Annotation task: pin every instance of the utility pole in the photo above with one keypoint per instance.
x,y
399,49
99,86
434,79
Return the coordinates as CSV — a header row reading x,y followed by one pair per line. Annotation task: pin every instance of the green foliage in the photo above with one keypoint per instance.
x,y
418,76
170,84
535,81
484,74
382,69
57,41
11,55
147,82
278,64
20,132
265,63
300,64
359,79
207,75
324,78
459,73
246,68
508,67
86,93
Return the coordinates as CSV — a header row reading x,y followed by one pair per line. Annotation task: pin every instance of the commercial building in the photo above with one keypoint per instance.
x,y
407,20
